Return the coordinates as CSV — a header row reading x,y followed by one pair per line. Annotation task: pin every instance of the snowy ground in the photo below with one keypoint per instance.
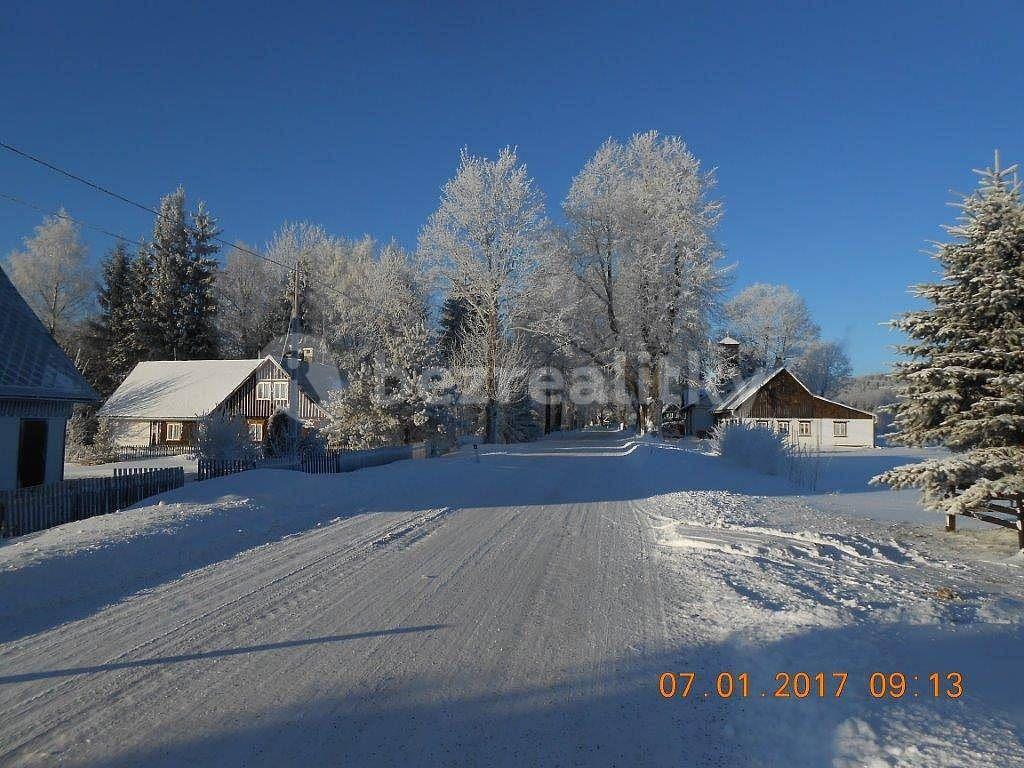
x,y
513,611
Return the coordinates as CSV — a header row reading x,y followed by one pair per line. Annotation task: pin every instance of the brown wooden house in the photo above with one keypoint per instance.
x,y
778,400
161,402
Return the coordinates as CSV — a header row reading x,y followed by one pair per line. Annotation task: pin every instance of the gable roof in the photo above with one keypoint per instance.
x,y
751,386
316,380
747,388
177,389
32,364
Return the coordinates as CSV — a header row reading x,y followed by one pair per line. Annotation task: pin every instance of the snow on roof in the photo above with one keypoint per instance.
x,y
32,364
747,388
177,389
729,340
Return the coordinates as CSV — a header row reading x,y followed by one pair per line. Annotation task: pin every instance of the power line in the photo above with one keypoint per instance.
x,y
65,217
133,203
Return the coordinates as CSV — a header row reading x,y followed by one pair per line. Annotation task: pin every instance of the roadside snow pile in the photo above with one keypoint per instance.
x,y
74,569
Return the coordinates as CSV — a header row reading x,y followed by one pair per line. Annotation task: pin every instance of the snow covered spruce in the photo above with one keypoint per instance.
x,y
962,385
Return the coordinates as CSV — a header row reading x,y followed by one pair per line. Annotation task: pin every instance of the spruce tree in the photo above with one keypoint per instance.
x,y
455,321
169,254
196,331
141,327
962,385
109,332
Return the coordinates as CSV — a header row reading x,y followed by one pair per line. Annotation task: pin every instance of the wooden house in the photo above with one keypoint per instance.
x,y
39,385
776,399
161,402
779,401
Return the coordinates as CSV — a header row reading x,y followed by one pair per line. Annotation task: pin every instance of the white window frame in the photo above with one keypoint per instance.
x,y
172,432
783,427
763,424
807,424
263,390
280,386
256,432
836,429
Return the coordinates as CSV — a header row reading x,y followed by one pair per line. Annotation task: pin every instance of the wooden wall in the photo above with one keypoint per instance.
x,y
784,398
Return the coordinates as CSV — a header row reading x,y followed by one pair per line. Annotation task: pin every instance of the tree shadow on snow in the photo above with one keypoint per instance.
x,y
614,714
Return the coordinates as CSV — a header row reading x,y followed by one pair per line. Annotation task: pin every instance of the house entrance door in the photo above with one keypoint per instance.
x,y
32,453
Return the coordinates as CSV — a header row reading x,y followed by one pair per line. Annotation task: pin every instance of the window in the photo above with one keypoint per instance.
x,y
805,429
783,427
307,354
272,390
839,429
173,432
256,431
762,425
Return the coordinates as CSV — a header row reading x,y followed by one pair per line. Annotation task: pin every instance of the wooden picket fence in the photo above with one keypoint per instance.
x,y
210,468
26,510
140,452
328,462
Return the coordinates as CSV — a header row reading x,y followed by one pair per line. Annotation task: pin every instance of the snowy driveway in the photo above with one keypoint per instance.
x,y
514,611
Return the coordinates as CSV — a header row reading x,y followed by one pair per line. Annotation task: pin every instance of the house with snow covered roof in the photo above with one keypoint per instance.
x,y
161,402
776,399
39,385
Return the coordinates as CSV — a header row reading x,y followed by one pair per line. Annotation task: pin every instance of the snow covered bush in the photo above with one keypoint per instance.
x,y
753,447
221,436
768,452
81,431
962,384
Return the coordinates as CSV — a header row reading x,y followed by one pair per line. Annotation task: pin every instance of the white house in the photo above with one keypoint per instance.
x,y
39,385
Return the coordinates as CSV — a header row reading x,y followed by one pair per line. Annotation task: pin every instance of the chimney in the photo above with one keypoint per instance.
x,y
730,349
779,362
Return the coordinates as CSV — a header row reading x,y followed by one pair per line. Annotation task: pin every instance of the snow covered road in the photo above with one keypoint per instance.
x,y
518,610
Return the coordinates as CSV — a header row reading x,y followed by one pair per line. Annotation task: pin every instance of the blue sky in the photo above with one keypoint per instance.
x,y
838,133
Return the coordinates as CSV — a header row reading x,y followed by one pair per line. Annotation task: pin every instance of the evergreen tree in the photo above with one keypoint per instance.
x,y
169,255
455,323
173,305
140,338
108,334
197,331
963,384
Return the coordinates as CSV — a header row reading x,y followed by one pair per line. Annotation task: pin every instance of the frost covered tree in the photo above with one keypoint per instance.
x,y
81,430
388,399
645,274
483,242
772,322
53,275
176,306
962,384
250,312
824,366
